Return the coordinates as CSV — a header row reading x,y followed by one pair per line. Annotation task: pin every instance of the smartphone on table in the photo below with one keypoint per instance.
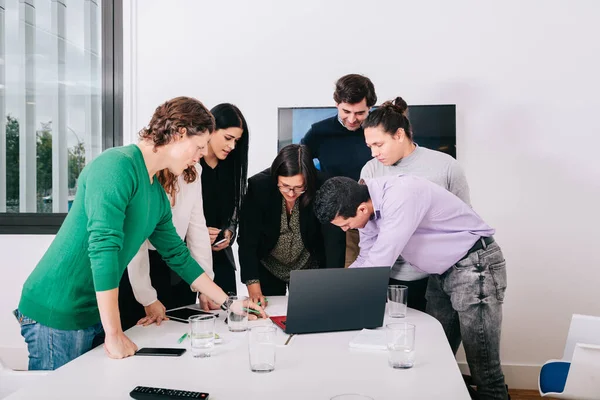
x,y
160,351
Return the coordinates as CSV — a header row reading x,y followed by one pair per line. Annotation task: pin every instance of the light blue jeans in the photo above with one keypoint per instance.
x,y
51,348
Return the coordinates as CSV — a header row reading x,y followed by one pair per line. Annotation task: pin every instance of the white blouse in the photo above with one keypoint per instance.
x,y
189,221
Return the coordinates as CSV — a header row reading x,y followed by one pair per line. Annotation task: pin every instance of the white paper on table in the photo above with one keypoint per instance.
x,y
276,310
369,339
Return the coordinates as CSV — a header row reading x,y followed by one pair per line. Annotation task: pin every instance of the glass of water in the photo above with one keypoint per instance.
x,y
237,317
401,345
202,334
261,348
397,301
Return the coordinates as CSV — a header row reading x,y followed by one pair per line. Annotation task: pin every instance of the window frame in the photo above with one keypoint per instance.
x,y
112,119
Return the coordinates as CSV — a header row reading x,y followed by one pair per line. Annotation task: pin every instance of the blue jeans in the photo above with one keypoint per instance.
x,y
51,348
467,300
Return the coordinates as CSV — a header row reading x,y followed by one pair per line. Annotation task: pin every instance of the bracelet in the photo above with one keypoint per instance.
x,y
252,281
226,304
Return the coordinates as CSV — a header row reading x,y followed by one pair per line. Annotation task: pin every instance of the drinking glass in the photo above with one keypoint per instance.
x,y
401,345
397,301
202,334
261,348
237,321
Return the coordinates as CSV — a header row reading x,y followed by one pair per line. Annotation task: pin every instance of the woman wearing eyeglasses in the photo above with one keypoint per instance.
x,y
279,231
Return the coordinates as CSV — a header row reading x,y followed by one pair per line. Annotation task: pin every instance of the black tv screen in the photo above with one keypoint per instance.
x,y
434,126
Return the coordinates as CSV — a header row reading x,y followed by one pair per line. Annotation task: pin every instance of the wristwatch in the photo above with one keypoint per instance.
x,y
226,304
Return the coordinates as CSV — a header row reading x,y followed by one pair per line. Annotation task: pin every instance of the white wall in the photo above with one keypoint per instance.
x,y
20,253
522,74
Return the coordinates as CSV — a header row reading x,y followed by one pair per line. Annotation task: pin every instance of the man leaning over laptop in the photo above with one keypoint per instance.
x,y
438,233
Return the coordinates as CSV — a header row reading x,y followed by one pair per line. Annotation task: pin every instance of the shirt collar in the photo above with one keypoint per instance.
x,y
375,193
342,124
376,215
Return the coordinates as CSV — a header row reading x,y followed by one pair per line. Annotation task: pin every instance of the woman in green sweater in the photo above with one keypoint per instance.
x,y
71,297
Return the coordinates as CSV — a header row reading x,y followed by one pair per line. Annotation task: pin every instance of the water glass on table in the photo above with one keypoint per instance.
x,y
202,334
237,317
401,345
261,348
397,301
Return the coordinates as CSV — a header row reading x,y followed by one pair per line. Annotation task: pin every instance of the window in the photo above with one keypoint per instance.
x,y
60,103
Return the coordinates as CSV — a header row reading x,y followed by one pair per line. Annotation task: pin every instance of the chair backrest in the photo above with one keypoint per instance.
x,y
583,381
583,329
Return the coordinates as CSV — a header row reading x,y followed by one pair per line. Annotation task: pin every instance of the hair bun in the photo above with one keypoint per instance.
x,y
397,105
400,105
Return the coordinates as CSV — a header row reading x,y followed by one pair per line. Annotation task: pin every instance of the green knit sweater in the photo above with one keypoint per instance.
x,y
116,208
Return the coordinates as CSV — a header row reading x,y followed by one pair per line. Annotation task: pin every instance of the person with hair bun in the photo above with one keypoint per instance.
x,y
389,135
466,298
70,300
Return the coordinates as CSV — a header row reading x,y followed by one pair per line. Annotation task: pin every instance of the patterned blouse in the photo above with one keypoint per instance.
x,y
289,253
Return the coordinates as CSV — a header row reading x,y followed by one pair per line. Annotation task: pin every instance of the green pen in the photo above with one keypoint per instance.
x,y
266,299
182,338
185,336
251,311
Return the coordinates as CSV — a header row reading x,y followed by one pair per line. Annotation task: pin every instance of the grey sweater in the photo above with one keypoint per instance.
x,y
439,168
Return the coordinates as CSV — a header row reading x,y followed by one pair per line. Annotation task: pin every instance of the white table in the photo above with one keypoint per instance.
x,y
310,367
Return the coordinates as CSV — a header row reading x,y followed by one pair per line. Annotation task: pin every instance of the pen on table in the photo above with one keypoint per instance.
x,y
289,338
251,311
266,299
182,338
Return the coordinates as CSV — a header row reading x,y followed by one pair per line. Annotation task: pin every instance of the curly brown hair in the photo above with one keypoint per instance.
x,y
180,112
168,180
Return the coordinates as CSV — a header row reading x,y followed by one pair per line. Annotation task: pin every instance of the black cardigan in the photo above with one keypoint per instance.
x,y
260,224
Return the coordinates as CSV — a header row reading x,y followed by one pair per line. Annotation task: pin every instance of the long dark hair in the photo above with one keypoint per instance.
x,y
391,116
292,160
229,116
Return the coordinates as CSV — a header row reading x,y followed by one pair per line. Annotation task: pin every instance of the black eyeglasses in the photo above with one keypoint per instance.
x,y
295,189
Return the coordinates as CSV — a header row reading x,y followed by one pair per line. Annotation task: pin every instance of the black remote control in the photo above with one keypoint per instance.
x,y
148,393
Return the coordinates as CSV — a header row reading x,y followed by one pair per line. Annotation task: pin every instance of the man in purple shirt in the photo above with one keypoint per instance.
x,y
438,233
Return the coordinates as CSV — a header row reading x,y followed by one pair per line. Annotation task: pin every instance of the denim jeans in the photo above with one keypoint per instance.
x,y
51,348
467,300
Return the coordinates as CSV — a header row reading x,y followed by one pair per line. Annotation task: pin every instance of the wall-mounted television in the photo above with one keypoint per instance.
x,y
434,126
